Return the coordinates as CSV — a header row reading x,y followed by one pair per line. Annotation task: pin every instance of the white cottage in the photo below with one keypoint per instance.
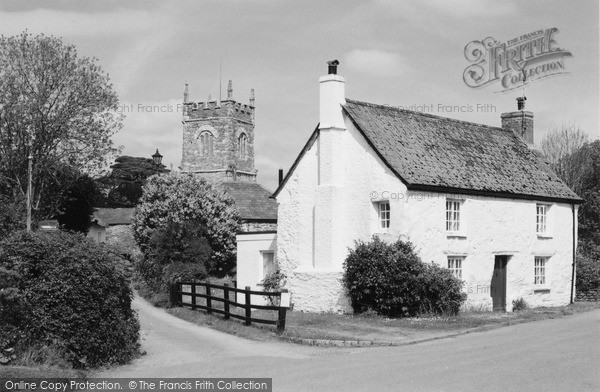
x,y
474,198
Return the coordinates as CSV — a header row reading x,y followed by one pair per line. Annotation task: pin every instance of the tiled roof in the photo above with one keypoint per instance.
x,y
115,216
430,152
252,200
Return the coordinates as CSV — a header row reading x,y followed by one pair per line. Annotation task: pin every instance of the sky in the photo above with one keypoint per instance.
x,y
409,54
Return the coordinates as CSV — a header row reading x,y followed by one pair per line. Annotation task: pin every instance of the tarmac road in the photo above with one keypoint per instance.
x,y
550,355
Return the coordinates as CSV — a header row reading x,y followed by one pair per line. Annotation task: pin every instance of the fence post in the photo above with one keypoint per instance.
x,y
248,308
226,297
174,297
193,294
208,300
281,316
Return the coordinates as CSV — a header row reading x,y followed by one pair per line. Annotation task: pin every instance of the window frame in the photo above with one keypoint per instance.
x,y
540,272
262,257
384,222
454,220
544,222
455,265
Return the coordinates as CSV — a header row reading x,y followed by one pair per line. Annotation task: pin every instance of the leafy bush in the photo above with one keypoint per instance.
x,y
70,294
391,280
588,272
520,304
440,292
177,251
171,198
12,215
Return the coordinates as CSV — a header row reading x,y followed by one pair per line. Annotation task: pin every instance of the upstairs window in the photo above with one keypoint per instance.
x,y
541,219
453,215
242,146
455,266
206,144
384,214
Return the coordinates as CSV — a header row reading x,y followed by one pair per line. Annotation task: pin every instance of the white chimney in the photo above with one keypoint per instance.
x,y
332,96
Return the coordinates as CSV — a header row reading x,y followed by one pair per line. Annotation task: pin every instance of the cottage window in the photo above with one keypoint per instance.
x,y
455,266
541,219
540,271
453,215
242,146
206,144
268,263
384,214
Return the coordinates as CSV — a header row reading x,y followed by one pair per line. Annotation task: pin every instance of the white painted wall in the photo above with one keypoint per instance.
x,y
320,217
250,261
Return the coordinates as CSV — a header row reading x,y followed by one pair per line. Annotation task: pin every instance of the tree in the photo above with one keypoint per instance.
x,y
559,147
77,205
56,106
589,212
123,186
172,198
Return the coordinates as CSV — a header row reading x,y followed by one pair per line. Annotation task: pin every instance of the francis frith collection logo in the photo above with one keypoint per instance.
x,y
522,59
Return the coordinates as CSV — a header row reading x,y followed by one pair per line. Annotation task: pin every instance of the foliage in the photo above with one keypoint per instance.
x,y
12,215
123,186
177,251
589,212
588,272
171,198
77,205
56,106
559,147
68,293
520,304
274,281
391,280
441,292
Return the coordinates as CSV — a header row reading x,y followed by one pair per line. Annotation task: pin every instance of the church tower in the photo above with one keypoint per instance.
x,y
218,138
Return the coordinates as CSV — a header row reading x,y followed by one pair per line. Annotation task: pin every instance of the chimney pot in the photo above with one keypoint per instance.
x,y
332,67
280,176
521,102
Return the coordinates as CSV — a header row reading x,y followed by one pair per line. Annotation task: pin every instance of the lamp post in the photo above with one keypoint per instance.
x,y
157,159
29,180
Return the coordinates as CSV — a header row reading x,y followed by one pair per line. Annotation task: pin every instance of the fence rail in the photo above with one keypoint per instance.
x,y
179,290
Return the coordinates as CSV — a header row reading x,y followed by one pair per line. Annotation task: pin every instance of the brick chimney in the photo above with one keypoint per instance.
x,y
520,122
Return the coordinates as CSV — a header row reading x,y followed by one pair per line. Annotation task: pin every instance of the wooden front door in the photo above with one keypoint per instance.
x,y
498,285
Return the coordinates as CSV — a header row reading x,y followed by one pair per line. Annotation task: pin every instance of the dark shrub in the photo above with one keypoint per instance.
x,y
588,272
73,295
177,251
440,291
391,280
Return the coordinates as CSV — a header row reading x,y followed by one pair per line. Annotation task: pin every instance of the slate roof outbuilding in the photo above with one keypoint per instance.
x,y
115,216
252,201
430,152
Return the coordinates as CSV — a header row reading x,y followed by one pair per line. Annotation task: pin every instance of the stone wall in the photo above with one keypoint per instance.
x,y
253,227
588,296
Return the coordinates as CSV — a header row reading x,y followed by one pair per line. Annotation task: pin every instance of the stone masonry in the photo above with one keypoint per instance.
x,y
224,125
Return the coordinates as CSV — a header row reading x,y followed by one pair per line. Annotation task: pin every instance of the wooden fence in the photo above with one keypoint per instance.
x,y
212,303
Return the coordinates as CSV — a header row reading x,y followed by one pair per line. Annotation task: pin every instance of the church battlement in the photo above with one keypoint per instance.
x,y
225,108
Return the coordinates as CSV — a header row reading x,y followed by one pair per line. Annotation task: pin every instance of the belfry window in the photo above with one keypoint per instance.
x,y
242,146
206,144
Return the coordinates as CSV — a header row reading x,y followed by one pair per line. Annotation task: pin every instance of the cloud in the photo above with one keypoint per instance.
x,y
375,62
456,8
152,125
